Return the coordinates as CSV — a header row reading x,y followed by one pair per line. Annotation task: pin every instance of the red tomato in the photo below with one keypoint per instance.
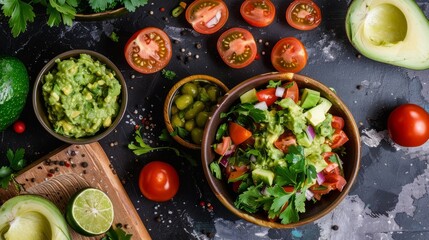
x,y
158,181
292,91
258,13
288,189
207,16
222,147
148,50
289,55
284,141
336,181
337,122
338,139
267,95
303,15
238,133
408,125
19,126
237,47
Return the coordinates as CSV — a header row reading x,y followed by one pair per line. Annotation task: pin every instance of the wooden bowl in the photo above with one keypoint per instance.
x,y
313,211
169,100
39,103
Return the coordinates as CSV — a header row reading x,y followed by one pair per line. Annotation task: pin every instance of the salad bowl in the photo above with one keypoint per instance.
x,y
350,157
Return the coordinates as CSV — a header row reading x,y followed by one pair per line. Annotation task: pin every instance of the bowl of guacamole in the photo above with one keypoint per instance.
x,y
80,96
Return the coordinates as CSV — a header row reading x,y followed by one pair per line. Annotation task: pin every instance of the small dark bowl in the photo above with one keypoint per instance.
x,y
39,103
169,101
313,211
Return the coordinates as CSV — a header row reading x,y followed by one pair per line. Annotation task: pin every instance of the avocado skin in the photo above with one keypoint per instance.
x,y
412,52
14,87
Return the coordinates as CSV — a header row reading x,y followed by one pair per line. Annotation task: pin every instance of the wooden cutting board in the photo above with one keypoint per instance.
x,y
65,171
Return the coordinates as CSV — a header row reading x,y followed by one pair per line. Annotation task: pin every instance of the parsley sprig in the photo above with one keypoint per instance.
x,y
16,162
117,234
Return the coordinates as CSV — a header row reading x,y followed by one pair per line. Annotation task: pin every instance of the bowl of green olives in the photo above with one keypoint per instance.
x,y
188,106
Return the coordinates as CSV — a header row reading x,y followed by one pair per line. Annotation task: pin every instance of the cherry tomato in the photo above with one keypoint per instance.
x,y
267,95
158,181
289,55
303,15
337,122
207,16
19,126
408,125
148,50
238,133
338,139
258,13
237,47
292,91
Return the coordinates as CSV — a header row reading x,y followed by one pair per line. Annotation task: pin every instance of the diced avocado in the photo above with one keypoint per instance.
x,y
390,31
263,175
309,98
303,139
317,114
318,162
32,217
249,96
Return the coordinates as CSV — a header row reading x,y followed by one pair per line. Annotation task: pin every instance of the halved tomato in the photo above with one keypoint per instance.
x,y
289,55
148,50
303,15
207,16
237,47
292,91
258,13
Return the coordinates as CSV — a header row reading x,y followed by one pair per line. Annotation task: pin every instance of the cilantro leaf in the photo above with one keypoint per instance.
x,y
250,200
99,5
247,109
16,162
221,131
274,84
20,13
131,5
290,214
300,201
168,74
117,234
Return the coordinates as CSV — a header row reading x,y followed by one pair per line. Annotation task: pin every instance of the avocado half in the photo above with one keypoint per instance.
x,y
390,31
32,217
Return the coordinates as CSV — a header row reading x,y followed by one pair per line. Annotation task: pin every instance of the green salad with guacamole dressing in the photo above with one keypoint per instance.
x,y
81,96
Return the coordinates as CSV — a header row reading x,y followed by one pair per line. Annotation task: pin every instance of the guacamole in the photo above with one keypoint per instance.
x,y
81,96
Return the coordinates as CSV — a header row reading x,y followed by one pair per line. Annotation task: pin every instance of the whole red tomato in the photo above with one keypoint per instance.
x,y
158,181
408,125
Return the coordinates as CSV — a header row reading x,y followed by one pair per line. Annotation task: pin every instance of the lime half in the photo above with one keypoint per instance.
x,y
90,212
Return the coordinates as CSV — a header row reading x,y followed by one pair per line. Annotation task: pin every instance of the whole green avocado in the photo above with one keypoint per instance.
x,y
14,87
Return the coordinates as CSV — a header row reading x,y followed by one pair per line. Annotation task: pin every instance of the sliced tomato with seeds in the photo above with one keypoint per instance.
x,y
303,15
148,50
207,16
237,47
289,55
258,13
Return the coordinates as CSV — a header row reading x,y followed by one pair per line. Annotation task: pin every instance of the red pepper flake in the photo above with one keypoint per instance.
x,y
161,9
67,164
50,175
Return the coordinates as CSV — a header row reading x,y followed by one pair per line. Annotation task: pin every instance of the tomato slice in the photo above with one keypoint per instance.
x,y
222,147
267,95
337,122
289,55
238,133
292,91
148,50
338,139
258,13
237,47
336,181
284,141
303,15
207,16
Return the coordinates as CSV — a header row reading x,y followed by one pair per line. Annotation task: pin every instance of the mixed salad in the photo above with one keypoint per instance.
x,y
278,148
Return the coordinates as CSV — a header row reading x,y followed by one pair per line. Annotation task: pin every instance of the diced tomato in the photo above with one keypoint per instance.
x,y
338,139
267,95
284,141
238,133
337,122
292,91
236,174
222,147
336,179
288,189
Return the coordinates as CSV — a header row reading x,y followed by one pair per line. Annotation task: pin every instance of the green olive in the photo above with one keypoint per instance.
x,y
197,107
176,121
190,88
183,101
189,125
174,110
197,135
213,93
201,119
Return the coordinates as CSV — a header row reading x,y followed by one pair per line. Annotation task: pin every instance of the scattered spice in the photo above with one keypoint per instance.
x,y
179,9
84,164
335,227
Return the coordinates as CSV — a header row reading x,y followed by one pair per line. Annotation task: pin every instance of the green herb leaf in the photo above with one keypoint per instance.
x,y
5,171
181,132
131,5
168,74
20,13
250,200
221,131
114,37
274,84
247,109
215,169
117,234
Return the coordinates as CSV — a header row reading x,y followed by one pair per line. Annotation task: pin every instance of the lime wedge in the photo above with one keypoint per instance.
x,y
90,212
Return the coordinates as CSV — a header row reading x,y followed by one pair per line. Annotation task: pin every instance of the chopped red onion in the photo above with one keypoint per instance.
x,y
261,106
310,132
309,194
280,91
320,178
